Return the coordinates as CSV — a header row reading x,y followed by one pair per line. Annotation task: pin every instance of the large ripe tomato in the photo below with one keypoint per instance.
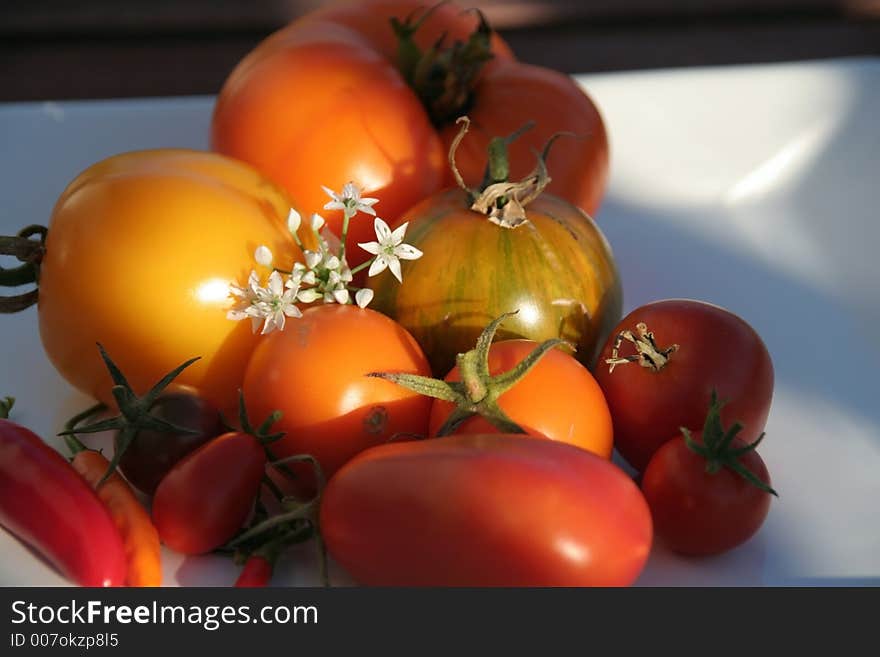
x,y
485,510
207,496
557,270
558,399
702,513
327,90
315,373
140,253
717,350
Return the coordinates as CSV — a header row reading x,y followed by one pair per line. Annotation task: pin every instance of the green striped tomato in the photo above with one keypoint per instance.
x,y
556,270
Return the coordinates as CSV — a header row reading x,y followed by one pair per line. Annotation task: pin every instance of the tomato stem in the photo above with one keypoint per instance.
x,y
648,354
30,253
716,446
5,406
478,391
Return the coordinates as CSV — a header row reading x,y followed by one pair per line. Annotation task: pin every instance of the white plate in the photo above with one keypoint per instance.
x,y
752,187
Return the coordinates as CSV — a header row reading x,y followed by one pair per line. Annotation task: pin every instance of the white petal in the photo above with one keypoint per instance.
x,y
370,247
317,221
363,297
276,284
329,192
399,232
383,231
255,323
351,191
236,315
309,278
366,209
263,255
341,296
313,259
294,219
394,266
368,201
332,263
378,266
334,279
308,296
292,311
407,252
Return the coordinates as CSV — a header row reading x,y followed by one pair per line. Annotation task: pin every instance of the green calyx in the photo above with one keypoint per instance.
x,y
717,447
478,391
443,76
134,413
29,252
296,521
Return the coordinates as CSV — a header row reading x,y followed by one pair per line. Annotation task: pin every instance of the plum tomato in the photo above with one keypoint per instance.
x,y
706,495
208,495
661,364
140,253
315,373
485,510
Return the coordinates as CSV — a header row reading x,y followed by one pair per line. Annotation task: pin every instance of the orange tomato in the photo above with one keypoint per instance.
x,y
322,102
557,399
140,253
315,373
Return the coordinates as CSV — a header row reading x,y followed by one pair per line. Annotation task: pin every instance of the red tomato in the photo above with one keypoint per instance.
x,y
206,497
716,350
315,373
700,513
323,101
558,399
485,510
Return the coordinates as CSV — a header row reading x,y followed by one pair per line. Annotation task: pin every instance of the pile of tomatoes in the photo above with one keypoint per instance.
x,y
461,431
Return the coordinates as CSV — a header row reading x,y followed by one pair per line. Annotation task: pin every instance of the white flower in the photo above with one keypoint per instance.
x,y
293,220
363,297
389,249
327,273
269,305
263,256
349,200
317,222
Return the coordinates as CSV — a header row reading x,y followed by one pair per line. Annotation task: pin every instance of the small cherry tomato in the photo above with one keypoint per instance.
x,y
150,456
663,361
485,510
706,495
206,497
315,373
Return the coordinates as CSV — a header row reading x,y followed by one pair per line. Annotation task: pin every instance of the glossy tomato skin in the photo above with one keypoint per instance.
x,y
206,497
557,270
717,350
558,399
153,453
315,373
485,510
326,91
141,250
700,514
578,163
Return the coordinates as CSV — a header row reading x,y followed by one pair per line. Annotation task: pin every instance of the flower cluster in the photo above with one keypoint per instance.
x,y
325,275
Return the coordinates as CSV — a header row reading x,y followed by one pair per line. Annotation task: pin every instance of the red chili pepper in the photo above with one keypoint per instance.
x,y
45,503
257,572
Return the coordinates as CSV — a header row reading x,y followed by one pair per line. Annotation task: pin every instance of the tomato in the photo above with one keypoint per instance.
x,y
140,252
707,493
557,399
716,350
698,513
326,100
152,454
485,510
557,269
207,496
314,372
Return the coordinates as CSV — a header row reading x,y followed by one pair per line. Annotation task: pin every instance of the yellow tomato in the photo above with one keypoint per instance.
x,y
141,250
